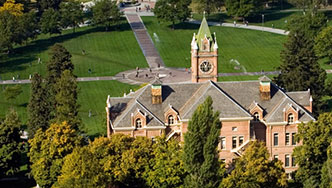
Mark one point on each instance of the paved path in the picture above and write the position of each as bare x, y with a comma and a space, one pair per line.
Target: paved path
243, 26
167, 75
144, 40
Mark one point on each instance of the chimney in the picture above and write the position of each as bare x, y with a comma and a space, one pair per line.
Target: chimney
156, 91
265, 88
108, 114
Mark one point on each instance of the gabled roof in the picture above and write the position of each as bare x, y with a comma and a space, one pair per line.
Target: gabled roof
232, 99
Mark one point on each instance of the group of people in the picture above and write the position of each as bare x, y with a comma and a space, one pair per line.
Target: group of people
147, 8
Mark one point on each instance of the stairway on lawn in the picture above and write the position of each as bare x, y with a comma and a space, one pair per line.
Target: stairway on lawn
144, 40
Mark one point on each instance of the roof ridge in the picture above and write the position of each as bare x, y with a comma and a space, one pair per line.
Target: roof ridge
230, 98
139, 103
197, 100
299, 106
193, 95
132, 103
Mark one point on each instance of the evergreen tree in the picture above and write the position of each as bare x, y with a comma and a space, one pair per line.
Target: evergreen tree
200, 147
299, 68
10, 144
48, 150
255, 169
323, 44
66, 100
60, 61
38, 108
172, 10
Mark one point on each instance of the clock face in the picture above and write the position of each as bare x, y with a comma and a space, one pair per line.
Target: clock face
205, 66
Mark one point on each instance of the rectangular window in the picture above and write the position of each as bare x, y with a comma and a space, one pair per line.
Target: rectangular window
293, 161
275, 157
234, 128
293, 139
286, 160
241, 140
222, 143
287, 139
233, 142
275, 139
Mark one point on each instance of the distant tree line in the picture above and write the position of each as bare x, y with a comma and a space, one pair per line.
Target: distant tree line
22, 20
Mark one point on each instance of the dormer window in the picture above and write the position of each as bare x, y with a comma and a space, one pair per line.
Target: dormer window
256, 116
290, 118
170, 120
138, 123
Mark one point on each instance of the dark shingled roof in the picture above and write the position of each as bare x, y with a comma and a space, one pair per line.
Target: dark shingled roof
231, 99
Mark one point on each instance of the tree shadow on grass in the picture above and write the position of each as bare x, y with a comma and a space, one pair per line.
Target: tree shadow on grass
24, 54
270, 17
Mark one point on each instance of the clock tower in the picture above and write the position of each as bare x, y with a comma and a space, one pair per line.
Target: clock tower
204, 55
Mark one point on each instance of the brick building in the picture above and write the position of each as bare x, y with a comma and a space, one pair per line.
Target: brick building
249, 110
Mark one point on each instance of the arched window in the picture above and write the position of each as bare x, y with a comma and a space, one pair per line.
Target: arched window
256, 116
138, 123
290, 118
170, 120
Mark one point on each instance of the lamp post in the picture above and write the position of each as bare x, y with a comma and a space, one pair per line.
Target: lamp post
262, 21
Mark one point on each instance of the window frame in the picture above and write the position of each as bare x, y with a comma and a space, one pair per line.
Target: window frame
223, 146
138, 123
275, 139
287, 139
287, 160
290, 118
169, 120
234, 138
256, 116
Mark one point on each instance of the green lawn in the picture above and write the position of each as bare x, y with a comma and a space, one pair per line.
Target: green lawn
241, 78
272, 18
92, 96
254, 50
107, 53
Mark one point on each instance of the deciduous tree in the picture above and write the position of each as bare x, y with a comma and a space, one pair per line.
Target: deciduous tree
200, 147
10, 144
47, 152
106, 12
167, 169
326, 173
208, 6
243, 8
312, 154
172, 10
255, 169
50, 22
71, 14
12, 92
323, 44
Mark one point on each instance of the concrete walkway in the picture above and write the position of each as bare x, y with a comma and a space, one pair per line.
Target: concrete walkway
144, 40
243, 26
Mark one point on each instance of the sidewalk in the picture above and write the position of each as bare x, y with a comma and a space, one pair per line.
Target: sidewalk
242, 26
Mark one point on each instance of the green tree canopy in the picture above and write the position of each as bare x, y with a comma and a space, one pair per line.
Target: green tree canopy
200, 154
66, 100
71, 14
208, 6
10, 144
106, 12
38, 108
255, 169
312, 154
59, 62
47, 4
118, 161
48, 149
172, 10
50, 22
326, 173
300, 70
323, 44
167, 168
243, 8
12, 92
